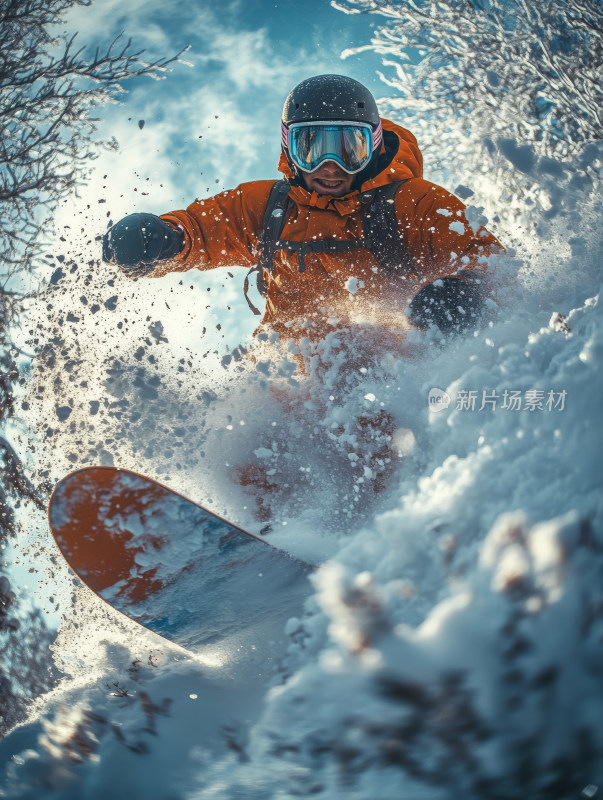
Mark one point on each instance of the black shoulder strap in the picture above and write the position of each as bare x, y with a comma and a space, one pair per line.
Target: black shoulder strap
381, 229
274, 221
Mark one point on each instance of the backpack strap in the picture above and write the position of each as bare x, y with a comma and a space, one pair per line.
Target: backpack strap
381, 230
275, 213
318, 246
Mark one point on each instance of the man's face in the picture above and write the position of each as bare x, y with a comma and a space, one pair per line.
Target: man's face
329, 179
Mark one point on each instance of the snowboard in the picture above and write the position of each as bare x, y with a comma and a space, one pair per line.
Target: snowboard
179, 570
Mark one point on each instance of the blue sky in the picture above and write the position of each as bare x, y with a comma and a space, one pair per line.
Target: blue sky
246, 56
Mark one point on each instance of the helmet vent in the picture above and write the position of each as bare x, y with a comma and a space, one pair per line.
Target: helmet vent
360, 105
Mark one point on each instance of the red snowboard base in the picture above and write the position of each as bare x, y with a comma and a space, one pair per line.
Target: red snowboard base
176, 568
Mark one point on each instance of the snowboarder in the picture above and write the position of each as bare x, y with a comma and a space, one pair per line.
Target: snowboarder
352, 240
353, 232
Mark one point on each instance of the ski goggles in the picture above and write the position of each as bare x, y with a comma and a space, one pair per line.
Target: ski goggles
350, 144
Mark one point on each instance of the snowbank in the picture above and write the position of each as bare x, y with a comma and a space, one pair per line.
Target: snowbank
453, 644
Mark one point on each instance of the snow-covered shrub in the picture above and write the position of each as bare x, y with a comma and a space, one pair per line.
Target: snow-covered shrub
466, 76
496, 694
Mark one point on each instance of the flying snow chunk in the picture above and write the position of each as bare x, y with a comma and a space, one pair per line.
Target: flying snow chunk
404, 440
353, 284
370, 397
464, 192
475, 218
522, 157
263, 452
62, 412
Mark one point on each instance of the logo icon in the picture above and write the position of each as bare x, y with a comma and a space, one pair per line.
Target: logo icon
438, 400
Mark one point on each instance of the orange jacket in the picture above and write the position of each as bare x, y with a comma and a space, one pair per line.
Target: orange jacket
224, 230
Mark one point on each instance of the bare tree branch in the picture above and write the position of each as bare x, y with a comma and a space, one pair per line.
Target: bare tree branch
46, 127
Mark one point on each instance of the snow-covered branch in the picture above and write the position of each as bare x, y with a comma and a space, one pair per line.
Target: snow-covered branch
467, 72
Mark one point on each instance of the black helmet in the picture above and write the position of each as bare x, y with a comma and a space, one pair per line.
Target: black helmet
330, 97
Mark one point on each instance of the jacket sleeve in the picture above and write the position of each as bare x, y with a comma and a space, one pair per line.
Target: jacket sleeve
220, 231
451, 256
438, 233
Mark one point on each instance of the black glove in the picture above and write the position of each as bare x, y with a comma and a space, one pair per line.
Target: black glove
137, 241
450, 303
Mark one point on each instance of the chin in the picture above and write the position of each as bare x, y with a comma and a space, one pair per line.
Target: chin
335, 191
332, 192
314, 184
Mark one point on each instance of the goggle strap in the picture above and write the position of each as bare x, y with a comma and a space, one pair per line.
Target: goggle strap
377, 137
